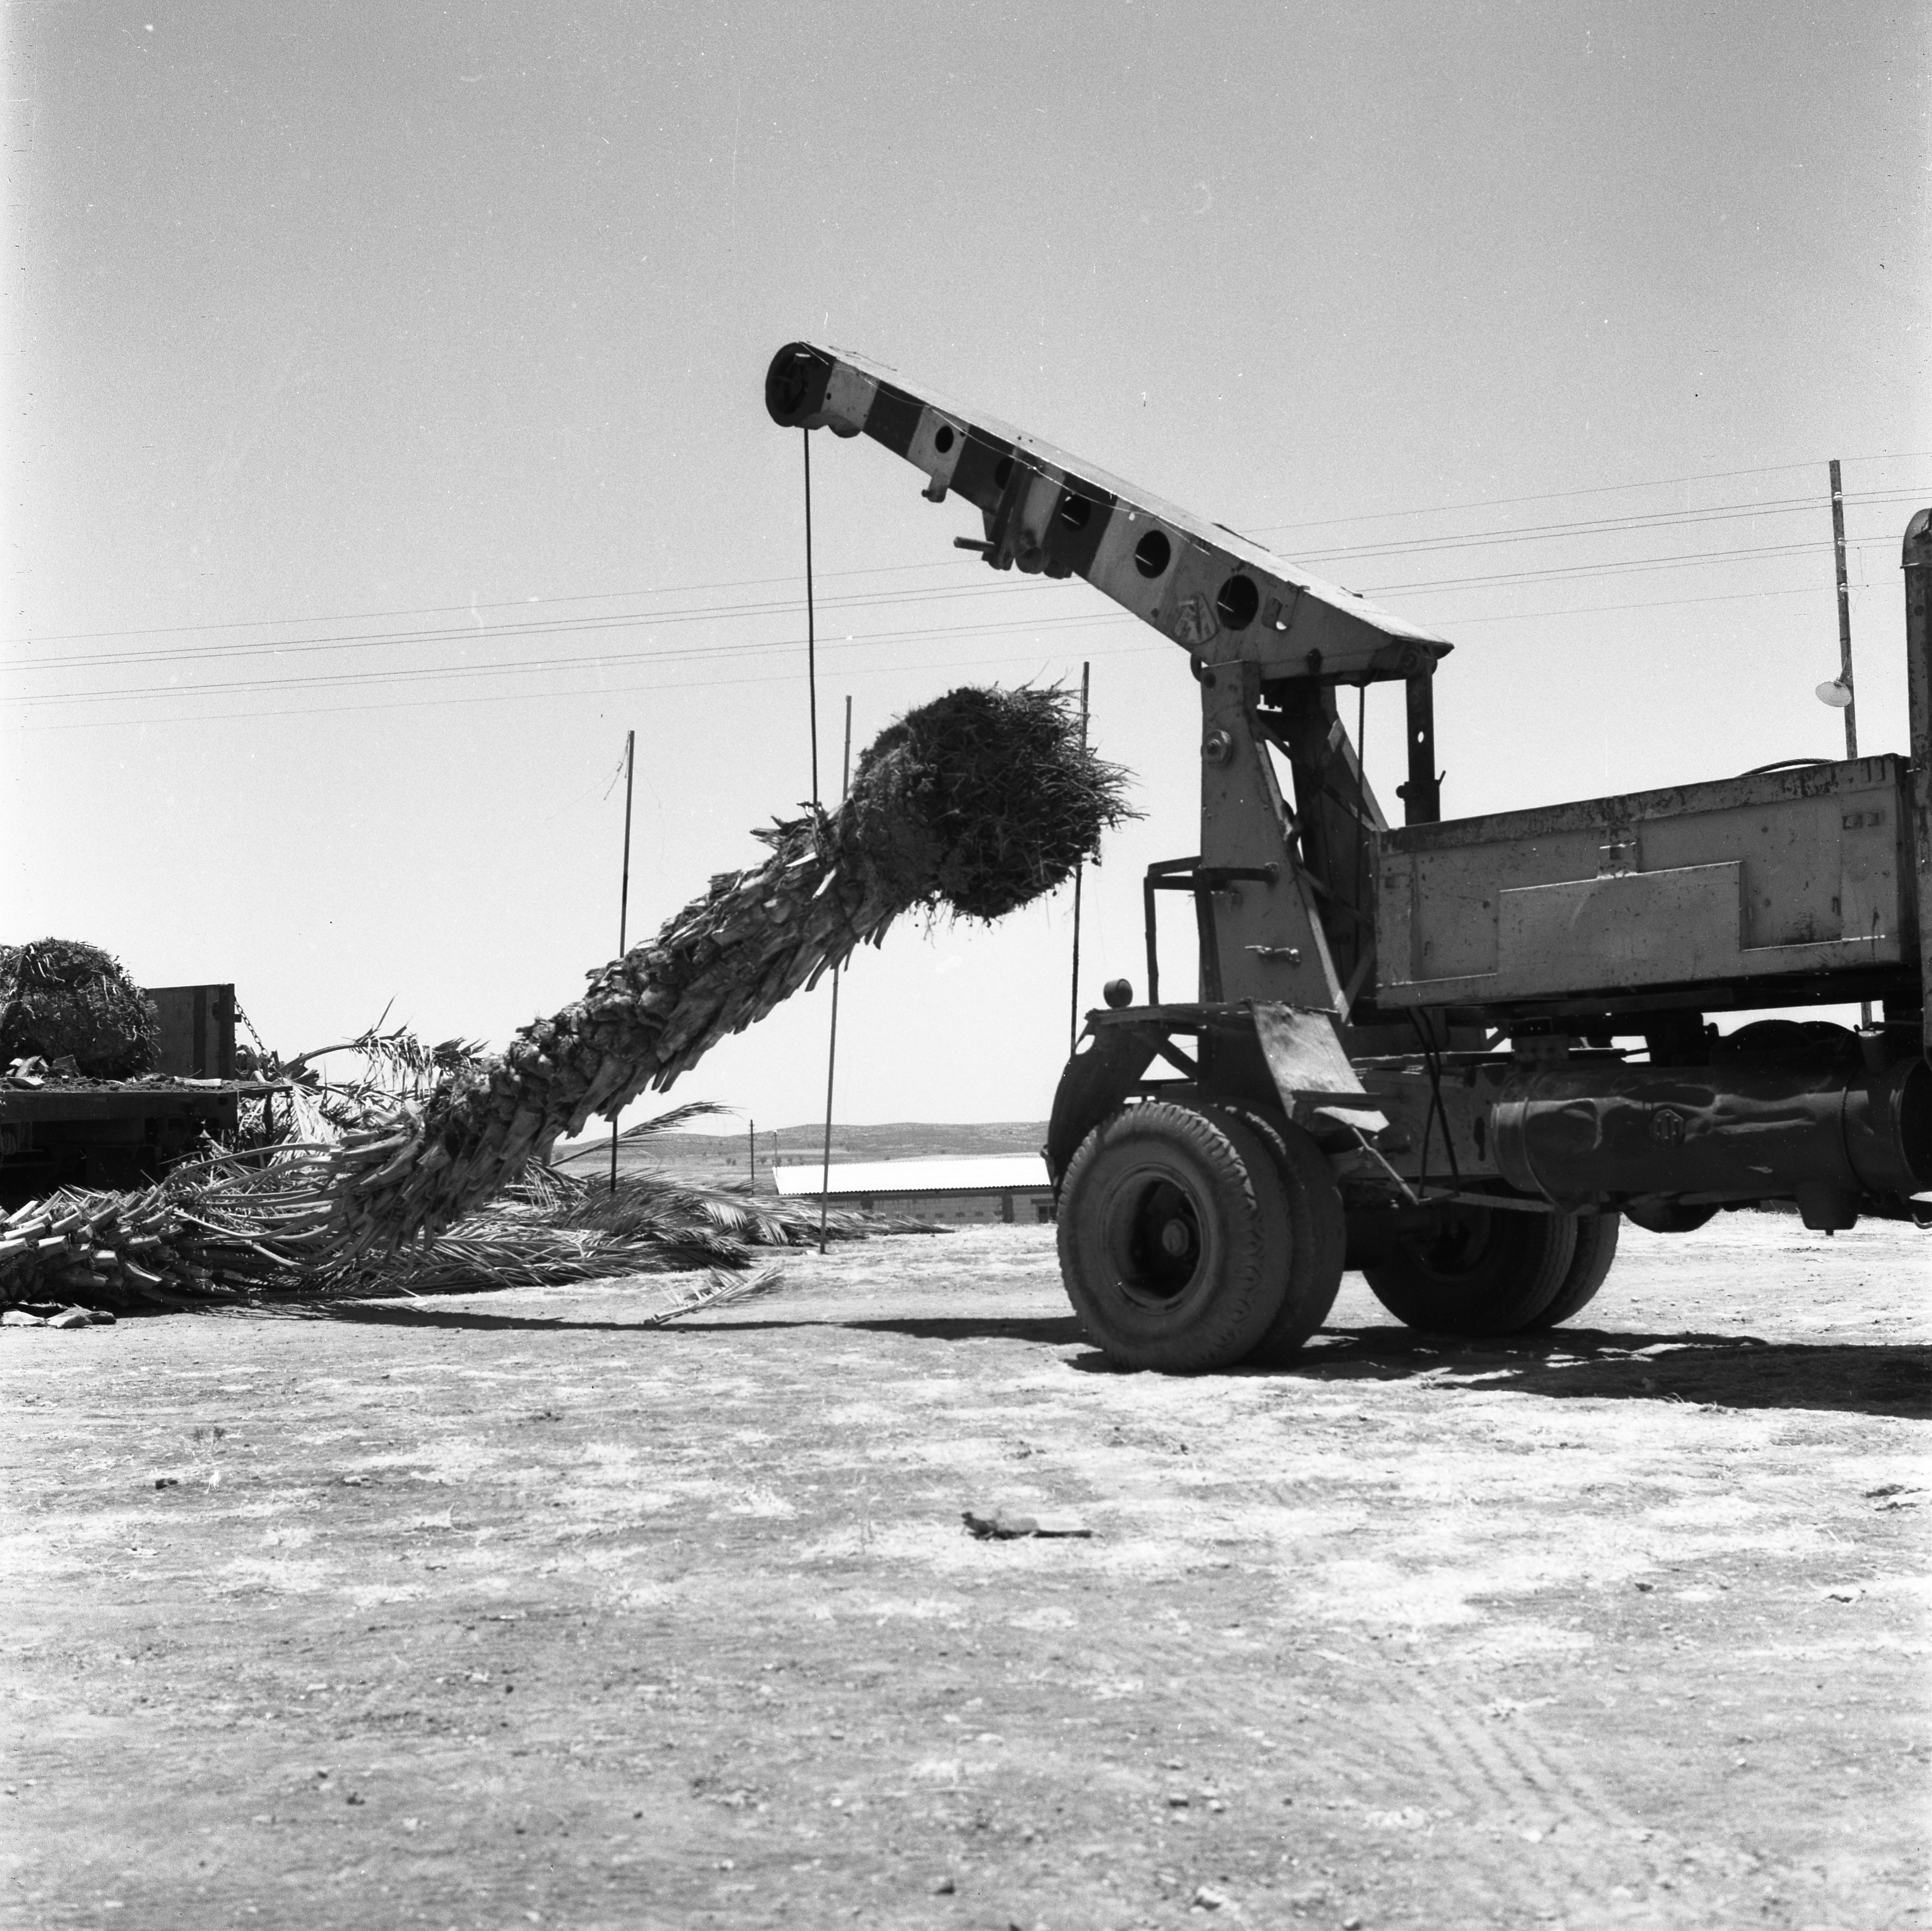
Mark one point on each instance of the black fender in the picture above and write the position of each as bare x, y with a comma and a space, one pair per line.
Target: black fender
1105, 1068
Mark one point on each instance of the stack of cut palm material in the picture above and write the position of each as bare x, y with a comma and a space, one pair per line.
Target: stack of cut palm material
62, 1001
228, 1229
980, 802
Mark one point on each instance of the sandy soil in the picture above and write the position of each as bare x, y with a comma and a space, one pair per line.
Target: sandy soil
501, 1612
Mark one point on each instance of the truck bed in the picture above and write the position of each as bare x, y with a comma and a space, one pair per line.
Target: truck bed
110, 1133
1776, 886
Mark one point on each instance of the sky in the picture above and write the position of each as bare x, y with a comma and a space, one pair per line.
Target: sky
386, 439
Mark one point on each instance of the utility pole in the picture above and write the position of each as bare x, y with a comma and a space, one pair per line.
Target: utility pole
1073, 1016
1845, 646
624, 904
832, 1049
1851, 706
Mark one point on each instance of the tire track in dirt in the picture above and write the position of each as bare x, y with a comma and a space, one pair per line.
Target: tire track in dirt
1385, 1748
1512, 1754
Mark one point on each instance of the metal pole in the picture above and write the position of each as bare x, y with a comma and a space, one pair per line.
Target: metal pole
1917, 559
810, 624
1363, 837
1073, 1016
1845, 646
1422, 796
624, 904
1844, 614
832, 1047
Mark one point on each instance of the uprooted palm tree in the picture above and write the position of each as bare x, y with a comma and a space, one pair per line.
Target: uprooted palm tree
980, 802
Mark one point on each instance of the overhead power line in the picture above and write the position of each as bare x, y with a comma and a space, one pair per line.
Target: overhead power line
524, 666
1714, 513
1689, 559
1651, 603
555, 627
1547, 533
1151, 646
1594, 489
442, 701
632, 620
442, 609
500, 667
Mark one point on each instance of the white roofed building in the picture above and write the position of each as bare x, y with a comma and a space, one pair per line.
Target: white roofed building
1007, 1187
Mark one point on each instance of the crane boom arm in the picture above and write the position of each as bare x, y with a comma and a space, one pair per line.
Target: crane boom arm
1222, 597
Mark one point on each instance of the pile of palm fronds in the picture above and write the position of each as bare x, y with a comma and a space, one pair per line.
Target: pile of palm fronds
62, 999
231, 1228
980, 801
549, 1228
388, 1066
385, 1072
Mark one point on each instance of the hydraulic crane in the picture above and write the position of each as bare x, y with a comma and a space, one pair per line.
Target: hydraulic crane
1453, 1054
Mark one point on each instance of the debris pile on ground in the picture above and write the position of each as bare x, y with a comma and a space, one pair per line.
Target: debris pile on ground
1008, 1525
979, 802
72, 1005
232, 1230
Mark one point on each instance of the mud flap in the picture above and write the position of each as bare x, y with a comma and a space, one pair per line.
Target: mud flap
1311, 1073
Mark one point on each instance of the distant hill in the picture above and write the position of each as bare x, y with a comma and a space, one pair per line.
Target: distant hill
723, 1155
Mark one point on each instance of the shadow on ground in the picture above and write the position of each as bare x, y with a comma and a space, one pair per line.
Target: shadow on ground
1729, 1370
1052, 1331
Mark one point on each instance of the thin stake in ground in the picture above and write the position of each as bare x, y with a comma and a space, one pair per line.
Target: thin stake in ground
1079, 872
624, 905
831, 1046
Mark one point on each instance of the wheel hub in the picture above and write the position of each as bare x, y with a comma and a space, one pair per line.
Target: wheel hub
1157, 1239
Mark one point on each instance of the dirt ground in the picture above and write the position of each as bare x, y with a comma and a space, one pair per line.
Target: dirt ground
501, 1612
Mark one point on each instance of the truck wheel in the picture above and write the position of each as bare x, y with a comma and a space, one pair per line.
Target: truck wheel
1596, 1248
1174, 1238
1479, 1270
1317, 1236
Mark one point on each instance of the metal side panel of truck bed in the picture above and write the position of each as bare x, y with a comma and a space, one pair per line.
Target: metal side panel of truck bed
1745, 882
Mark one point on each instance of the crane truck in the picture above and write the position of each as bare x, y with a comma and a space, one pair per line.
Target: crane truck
1454, 1055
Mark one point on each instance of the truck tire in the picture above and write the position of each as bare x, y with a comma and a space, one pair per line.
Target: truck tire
1174, 1238
1596, 1249
1318, 1235
1483, 1271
